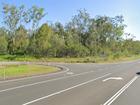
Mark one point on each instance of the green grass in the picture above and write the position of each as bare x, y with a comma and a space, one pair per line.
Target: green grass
17, 58
12, 71
91, 59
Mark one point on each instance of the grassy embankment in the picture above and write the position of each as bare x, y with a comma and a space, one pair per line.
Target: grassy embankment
14, 71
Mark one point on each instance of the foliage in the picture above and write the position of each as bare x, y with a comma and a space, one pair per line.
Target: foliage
43, 39
21, 40
82, 36
3, 41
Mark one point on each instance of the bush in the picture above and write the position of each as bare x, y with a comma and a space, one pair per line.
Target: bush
75, 51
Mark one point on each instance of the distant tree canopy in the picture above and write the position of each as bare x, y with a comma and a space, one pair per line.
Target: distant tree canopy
82, 36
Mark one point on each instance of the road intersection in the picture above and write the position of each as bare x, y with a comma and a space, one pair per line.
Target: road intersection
77, 84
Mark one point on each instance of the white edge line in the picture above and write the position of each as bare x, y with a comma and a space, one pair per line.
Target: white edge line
33, 101
114, 97
24, 78
27, 85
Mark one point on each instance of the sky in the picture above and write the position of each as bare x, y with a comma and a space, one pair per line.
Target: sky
63, 10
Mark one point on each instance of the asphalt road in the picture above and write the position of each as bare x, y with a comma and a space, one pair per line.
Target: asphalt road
77, 84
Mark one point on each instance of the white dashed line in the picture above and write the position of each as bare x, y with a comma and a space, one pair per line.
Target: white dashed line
84, 83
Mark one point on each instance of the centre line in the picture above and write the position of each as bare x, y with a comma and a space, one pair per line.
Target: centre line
114, 97
84, 83
41, 82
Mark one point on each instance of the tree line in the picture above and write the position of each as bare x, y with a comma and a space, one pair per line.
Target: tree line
22, 34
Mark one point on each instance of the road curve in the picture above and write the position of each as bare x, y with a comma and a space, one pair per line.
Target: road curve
80, 84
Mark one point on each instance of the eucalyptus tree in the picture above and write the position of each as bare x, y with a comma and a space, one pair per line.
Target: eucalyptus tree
22, 40
12, 20
104, 33
81, 23
42, 37
3, 41
33, 16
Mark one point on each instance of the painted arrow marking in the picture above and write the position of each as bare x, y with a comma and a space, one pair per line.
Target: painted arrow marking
113, 78
70, 73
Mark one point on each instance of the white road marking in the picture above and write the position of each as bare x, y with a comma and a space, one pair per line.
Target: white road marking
27, 85
114, 97
70, 73
66, 70
84, 83
113, 78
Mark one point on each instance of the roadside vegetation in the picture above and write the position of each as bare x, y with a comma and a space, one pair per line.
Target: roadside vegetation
82, 39
15, 71
91, 59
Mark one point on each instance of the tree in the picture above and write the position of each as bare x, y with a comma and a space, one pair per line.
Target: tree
12, 19
34, 15
104, 34
43, 39
80, 23
81, 36
57, 46
71, 35
22, 40
135, 47
3, 41
58, 29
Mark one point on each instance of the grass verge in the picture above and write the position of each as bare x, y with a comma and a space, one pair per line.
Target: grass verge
15, 71
92, 59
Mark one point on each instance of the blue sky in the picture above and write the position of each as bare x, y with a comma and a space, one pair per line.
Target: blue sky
63, 10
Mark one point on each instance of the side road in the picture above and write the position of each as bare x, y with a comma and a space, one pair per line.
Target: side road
77, 84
